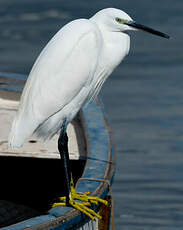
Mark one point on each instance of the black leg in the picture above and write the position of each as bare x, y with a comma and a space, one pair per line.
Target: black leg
82, 204
63, 150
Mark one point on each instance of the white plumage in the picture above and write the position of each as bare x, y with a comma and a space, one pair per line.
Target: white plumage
70, 72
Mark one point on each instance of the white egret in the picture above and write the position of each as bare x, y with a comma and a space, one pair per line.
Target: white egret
69, 73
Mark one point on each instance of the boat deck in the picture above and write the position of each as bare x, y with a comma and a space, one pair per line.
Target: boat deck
35, 174
33, 147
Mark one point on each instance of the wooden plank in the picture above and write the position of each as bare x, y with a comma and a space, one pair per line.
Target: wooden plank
100, 165
34, 147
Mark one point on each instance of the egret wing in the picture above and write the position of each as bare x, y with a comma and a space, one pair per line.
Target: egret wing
65, 67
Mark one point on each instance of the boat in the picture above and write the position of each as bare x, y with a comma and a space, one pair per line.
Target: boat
32, 176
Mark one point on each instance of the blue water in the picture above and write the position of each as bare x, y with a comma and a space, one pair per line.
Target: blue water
143, 99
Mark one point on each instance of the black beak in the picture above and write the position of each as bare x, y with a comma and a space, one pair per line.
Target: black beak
146, 29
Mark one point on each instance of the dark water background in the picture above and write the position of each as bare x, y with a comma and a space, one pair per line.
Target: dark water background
143, 99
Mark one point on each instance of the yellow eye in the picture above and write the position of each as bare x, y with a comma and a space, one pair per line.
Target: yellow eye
121, 21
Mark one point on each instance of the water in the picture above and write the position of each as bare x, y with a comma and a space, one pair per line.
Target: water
145, 94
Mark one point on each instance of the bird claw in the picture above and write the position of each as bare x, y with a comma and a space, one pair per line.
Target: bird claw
84, 200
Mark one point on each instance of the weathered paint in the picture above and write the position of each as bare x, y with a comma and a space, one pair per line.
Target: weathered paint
99, 166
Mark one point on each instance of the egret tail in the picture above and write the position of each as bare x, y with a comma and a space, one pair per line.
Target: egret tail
17, 135
24, 126
21, 130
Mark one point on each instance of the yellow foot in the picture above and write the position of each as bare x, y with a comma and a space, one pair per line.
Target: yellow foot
84, 200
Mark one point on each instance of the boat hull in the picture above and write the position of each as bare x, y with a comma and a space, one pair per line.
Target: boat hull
97, 176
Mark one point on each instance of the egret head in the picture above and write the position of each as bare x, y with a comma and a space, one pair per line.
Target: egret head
118, 21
